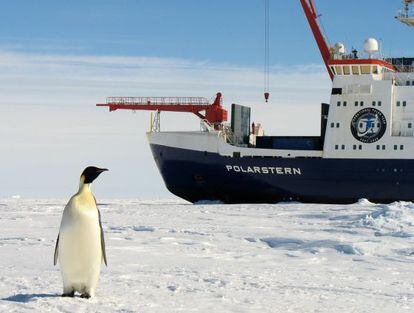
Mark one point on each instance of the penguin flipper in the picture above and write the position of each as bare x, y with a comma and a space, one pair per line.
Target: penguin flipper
55, 256
102, 239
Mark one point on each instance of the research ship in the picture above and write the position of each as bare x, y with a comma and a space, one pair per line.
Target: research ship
365, 148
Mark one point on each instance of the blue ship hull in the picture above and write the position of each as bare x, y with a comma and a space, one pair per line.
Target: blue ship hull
195, 176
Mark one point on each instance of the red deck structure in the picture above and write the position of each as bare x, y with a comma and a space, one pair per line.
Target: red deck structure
214, 112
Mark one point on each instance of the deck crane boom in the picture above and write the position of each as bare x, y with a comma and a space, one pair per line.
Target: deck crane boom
214, 112
312, 17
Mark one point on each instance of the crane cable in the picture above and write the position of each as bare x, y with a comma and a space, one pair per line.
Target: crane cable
266, 52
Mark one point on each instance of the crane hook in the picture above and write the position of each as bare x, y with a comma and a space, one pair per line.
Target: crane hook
266, 51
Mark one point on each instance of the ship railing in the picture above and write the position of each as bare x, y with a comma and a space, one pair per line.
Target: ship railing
400, 66
391, 76
397, 81
405, 68
158, 100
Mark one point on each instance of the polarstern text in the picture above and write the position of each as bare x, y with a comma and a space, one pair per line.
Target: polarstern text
264, 170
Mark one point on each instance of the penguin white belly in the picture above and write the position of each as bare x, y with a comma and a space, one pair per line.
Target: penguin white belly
80, 253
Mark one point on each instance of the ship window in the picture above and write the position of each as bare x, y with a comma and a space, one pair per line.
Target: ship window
360, 147
336, 147
355, 70
338, 70
336, 91
338, 103
337, 125
398, 103
410, 125
378, 147
379, 103
332, 125
343, 147
404, 103
407, 83
401, 147
383, 147
395, 147
375, 69
356, 103
361, 103
345, 103
412, 83
355, 147
365, 69
374, 103
347, 70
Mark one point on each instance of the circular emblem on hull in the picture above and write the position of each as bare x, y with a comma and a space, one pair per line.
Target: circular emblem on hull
368, 125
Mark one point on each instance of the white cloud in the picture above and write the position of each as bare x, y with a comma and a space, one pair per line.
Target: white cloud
50, 127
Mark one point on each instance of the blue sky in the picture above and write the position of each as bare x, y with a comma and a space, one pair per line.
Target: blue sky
222, 31
59, 58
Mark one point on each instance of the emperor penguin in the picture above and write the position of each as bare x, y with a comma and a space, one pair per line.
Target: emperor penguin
80, 245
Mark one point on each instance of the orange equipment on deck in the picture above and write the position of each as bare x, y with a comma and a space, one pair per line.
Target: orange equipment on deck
214, 113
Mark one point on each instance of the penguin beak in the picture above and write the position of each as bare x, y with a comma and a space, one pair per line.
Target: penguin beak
100, 171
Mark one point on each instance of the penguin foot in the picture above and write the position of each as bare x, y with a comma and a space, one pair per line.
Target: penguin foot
85, 295
69, 294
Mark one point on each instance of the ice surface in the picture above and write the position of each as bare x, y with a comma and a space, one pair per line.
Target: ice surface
169, 256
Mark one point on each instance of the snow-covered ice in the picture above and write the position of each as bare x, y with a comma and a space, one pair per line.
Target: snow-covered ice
170, 256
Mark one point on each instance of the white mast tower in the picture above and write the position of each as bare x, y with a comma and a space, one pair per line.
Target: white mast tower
405, 15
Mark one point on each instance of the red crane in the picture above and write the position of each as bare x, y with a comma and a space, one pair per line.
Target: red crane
310, 12
214, 112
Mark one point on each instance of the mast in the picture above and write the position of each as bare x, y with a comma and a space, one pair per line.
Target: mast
310, 12
404, 15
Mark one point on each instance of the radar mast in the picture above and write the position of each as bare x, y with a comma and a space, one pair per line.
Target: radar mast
405, 15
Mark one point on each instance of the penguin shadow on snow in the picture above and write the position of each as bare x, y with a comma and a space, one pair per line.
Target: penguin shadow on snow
27, 297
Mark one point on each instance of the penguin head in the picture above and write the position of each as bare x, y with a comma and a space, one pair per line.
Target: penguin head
90, 173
